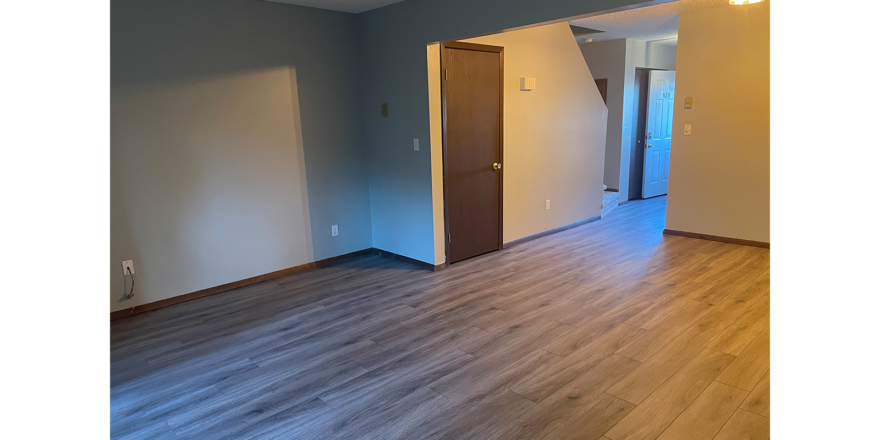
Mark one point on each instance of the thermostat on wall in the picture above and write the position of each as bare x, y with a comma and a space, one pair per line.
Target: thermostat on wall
527, 83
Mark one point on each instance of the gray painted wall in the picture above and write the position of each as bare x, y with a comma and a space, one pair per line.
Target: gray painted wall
236, 141
391, 45
240, 130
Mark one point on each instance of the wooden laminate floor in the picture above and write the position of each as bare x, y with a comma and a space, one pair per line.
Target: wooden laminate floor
606, 331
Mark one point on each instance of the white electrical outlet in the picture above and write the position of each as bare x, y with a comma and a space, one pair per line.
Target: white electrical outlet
547, 204
334, 230
416, 144
128, 267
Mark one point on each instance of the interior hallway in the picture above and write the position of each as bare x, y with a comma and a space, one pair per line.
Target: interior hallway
609, 329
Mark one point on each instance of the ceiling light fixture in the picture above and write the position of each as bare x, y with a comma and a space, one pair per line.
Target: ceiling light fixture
744, 2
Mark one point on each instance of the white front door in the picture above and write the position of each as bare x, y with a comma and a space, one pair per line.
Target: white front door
658, 133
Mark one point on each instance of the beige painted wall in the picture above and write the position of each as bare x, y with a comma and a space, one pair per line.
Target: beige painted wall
436, 113
607, 59
554, 136
719, 180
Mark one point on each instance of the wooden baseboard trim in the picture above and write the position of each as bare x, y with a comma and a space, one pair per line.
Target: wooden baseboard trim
513, 243
392, 255
234, 285
739, 241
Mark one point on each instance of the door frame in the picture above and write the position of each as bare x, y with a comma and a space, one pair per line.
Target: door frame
479, 48
647, 115
635, 148
639, 104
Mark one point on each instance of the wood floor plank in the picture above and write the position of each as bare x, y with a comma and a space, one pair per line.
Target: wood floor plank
411, 416
544, 417
751, 365
741, 332
544, 339
665, 306
706, 415
544, 383
648, 420
472, 338
412, 371
179, 381
758, 400
298, 421
728, 310
371, 420
145, 431
744, 425
154, 417
589, 424
648, 376
523, 337
251, 404
592, 329
489, 373
467, 418
665, 332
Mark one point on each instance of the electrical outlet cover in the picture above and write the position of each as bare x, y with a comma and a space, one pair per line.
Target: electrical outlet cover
128, 267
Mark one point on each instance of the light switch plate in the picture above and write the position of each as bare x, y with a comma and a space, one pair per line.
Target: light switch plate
547, 204
128, 267
687, 129
416, 144
689, 102
334, 230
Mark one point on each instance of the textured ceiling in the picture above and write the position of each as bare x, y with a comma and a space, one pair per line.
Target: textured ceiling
353, 6
649, 23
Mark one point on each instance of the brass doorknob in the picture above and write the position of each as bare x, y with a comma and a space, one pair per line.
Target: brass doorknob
496, 166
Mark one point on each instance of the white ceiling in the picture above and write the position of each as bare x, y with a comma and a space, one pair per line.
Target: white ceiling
353, 6
649, 23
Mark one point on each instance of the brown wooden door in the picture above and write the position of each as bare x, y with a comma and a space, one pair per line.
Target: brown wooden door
473, 91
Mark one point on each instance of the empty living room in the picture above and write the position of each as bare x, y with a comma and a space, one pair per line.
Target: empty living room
437, 219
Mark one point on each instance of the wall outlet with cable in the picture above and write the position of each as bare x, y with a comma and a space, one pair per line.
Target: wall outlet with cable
127, 267
127, 271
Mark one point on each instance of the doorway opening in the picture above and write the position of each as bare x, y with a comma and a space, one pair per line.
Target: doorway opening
632, 54
572, 152
650, 145
524, 157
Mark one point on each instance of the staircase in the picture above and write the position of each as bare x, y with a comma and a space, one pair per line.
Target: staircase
610, 200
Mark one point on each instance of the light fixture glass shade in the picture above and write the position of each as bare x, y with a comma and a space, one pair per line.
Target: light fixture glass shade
744, 2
